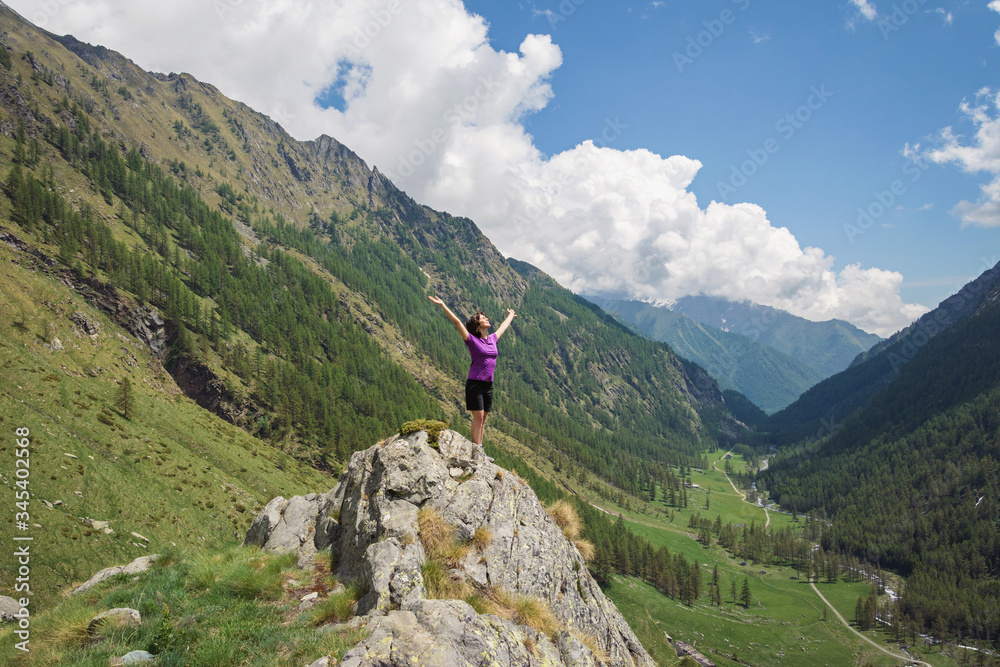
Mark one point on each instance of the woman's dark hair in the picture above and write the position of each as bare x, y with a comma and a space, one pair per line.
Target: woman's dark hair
472, 324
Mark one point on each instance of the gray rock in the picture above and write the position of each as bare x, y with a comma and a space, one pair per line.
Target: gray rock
8, 607
449, 633
90, 327
370, 520
137, 566
322, 662
135, 657
119, 617
140, 564
287, 526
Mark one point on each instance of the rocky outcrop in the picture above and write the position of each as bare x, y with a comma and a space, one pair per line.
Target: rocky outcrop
449, 633
201, 384
370, 523
142, 321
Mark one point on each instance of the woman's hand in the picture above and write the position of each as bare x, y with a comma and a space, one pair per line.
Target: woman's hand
506, 323
451, 316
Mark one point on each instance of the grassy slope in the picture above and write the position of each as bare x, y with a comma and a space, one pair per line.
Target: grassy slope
785, 618
172, 473
218, 608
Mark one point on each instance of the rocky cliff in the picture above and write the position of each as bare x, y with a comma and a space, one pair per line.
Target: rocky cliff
381, 524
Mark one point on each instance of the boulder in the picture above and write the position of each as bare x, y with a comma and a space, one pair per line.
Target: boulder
133, 658
370, 522
140, 564
120, 617
8, 608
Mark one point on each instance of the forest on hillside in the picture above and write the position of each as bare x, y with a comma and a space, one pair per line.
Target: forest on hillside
910, 482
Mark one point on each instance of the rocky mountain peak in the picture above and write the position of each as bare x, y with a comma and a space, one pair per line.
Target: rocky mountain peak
383, 524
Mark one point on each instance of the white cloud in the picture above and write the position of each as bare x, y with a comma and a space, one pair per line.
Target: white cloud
981, 154
866, 9
430, 102
947, 17
995, 6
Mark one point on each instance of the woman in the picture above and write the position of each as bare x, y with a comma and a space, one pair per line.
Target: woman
483, 348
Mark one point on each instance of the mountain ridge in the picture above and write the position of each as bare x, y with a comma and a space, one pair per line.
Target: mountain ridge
832, 400
769, 378
787, 333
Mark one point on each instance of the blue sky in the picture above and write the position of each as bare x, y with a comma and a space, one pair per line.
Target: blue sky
653, 149
892, 83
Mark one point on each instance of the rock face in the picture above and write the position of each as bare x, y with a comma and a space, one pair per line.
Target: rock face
370, 522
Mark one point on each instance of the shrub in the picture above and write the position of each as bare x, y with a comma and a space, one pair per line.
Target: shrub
432, 426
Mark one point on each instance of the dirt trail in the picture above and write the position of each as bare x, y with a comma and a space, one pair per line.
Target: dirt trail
742, 495
908, 659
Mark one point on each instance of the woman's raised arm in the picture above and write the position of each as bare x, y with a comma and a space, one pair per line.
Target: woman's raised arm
451, 316
506, 323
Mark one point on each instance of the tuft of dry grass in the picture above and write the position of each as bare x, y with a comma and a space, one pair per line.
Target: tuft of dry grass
565, 516
75, 632
521, 609
590, 641
438, 538
482, 538
586, 549
535, 613
436, 534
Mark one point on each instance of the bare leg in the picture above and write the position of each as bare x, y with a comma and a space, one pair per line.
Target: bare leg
478, 426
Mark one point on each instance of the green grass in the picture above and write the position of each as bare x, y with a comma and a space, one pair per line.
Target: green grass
172, 473
246, 617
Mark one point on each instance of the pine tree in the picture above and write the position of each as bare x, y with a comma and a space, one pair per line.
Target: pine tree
745, 596
125, 399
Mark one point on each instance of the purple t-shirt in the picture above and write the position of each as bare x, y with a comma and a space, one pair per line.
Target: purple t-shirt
484, 357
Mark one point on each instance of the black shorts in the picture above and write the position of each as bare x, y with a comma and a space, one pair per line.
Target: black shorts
478, 395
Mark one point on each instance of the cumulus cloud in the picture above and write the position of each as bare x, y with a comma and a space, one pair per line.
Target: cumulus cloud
418, 91
981, 154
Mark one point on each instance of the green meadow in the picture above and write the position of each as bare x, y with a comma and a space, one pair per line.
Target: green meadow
785, 623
